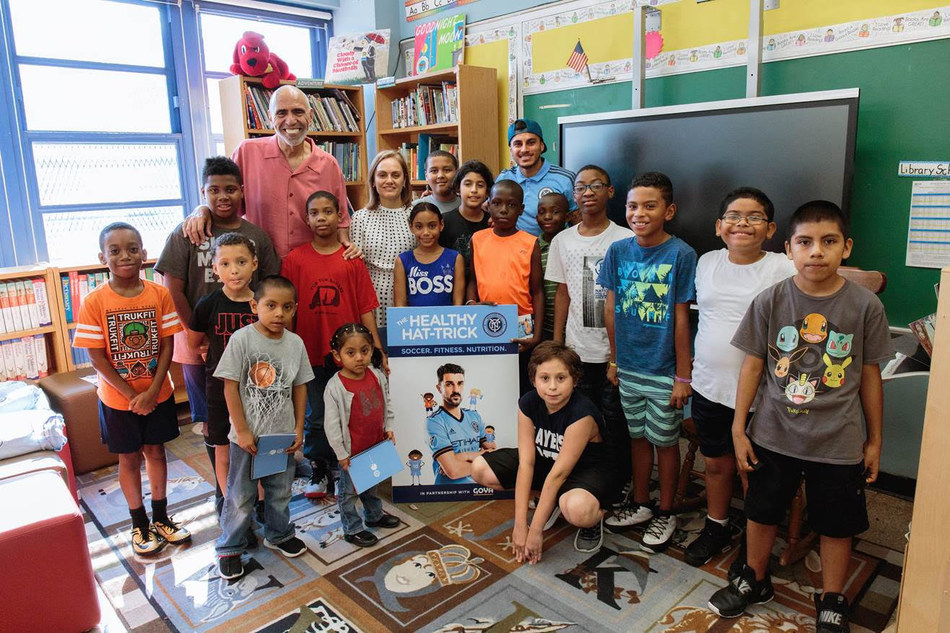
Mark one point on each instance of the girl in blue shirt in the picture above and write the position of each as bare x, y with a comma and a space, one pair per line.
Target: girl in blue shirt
429, 274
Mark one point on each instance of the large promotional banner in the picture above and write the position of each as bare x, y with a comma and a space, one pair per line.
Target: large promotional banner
454, 388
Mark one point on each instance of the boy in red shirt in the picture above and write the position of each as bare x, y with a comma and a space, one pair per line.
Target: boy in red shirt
332, 291
128, 325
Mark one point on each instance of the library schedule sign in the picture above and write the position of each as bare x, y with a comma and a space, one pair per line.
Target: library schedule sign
437, 422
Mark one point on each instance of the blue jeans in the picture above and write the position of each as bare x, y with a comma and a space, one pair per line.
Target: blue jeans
195, 386
346, 500
240, 499
316, 447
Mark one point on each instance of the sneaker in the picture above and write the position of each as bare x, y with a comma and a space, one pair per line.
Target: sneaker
733, 599
659, 533
833, 611
590, 539
555, 515
230, 567
385, 521
318, 486
291, 548
624, 494
172, 532
714, 539
630, 513
146, 542
533, 503
363, 538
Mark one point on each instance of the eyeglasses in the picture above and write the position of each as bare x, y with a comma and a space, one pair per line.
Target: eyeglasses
596, 187
511, 205
735, 218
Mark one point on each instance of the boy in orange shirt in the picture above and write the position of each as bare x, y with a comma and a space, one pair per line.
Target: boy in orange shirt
128, 325
506, 267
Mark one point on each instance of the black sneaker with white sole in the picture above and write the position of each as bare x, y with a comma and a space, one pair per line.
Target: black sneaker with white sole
290, 548
715, 539
230, 566
591, 538
732, 600
832, 613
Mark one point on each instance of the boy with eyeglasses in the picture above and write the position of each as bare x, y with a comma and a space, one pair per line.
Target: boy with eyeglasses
506, 267
575, 257
726, 282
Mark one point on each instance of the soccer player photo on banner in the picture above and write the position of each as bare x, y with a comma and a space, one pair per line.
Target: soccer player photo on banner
454, 389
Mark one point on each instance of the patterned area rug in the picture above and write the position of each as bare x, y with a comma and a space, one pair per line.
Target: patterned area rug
448, 567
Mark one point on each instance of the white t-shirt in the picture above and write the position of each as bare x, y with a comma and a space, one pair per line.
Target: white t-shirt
724, 291
575, 260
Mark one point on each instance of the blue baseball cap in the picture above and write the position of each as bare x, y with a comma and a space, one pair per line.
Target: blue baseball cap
525, 126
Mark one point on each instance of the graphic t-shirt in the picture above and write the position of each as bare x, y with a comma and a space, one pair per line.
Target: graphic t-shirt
218, 317
192, 264
267, 370
457, 234
576, 260
815, 349
130, 330
549, 428
444, 207
647, 283
331, 291
430, 284
459, 435
366, 412
724, 292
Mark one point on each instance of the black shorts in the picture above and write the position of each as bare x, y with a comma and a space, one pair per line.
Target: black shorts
713, 426
219, 422
127, 432
600, 482
835, 493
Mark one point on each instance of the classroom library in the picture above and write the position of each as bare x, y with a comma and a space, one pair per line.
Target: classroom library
474, 316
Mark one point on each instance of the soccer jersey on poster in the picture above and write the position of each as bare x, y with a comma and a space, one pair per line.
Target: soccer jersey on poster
446, 433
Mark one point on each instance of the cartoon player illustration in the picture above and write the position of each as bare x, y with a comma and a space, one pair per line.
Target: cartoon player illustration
428, 401
456, 435
415, 465
771, 44
134, 335
490, 438
474, 395
834, 374
936, 19
718, 52
865, 31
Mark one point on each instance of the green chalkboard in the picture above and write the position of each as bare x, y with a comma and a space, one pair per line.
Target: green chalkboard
904, 114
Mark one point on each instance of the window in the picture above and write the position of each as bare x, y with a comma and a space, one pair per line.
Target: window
292, 42
100, 138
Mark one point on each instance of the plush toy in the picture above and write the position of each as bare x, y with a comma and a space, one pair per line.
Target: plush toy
253, 59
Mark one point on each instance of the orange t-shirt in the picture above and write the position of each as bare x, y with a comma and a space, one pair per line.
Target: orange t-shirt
130, 329
503, 268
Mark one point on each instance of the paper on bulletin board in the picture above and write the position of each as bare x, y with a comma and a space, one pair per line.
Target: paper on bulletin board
928, 233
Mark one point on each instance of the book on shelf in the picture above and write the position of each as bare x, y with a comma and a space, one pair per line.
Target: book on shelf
24, 359
9, 361
333, 110
80, 355
347, 154
427, 104
409, 153
428, 143
42, 302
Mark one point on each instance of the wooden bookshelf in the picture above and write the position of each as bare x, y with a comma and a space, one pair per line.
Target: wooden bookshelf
476, 127
55, 355
234, 115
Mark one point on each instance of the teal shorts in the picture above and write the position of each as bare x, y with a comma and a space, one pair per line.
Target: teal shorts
645, 399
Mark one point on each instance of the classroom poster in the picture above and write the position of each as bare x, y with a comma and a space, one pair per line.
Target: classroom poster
439, 45
474, 405
357, 58
928, 232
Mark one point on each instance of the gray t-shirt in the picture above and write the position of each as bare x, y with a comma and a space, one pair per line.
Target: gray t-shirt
267, 370
444, 207
183, 260
808, 405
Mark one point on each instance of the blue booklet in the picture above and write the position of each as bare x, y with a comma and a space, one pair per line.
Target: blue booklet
272, 456
377, 463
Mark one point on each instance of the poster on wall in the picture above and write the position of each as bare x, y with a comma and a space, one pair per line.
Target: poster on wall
357, 58
417, 9
454, 389
439, 45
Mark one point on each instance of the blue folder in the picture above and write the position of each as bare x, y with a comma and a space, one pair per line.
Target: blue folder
272, 456
377, 463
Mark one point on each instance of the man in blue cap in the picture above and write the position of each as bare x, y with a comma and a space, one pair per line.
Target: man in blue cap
535, 175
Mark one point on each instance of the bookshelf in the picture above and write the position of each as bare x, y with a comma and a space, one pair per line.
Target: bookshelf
244, 115
31, 346
457, 105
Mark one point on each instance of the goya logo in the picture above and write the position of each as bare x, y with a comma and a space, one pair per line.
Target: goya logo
494, 324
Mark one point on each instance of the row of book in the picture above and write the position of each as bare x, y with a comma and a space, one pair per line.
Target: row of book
348, 155
416, 154
333, 111
76, 286
24, 305
24, 358
427, 105
80, 355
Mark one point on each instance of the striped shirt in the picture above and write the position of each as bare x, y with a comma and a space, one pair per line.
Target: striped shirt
130, 330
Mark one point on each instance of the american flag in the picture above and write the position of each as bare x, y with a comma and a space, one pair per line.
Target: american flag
578, 58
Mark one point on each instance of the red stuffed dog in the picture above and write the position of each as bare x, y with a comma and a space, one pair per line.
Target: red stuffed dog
253, 59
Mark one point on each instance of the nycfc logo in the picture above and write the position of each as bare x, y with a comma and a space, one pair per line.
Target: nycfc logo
494, 324
545, 191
